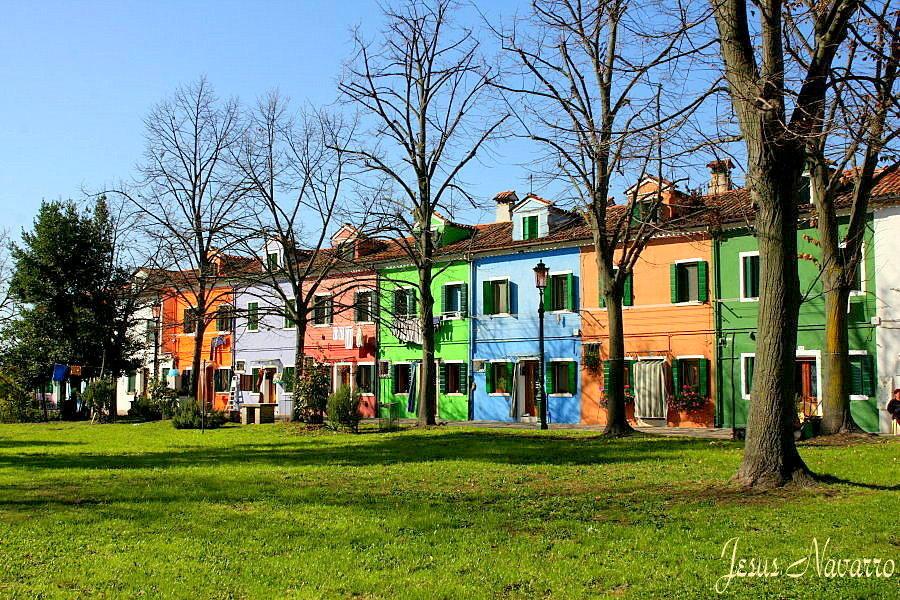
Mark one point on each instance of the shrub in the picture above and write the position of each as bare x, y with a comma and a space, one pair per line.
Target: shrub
160, 402
189, 416
16, 404
343, 409
311, 393
99, 396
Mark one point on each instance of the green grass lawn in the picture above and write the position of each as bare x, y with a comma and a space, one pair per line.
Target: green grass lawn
272, 511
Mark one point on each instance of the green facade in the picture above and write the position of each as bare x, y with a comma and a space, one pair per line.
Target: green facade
451, 340
736, 323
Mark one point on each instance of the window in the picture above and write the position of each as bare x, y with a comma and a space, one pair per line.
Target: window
290, 308
365, 307
529, 227
132, 382
560, 292
322, 310
748, 363
272, 261
628, 371
287, 379
402, 375
253, 316
246, 382
562, 377
405, 302
496, 297
186, 381
454, 298
499, 378
691, 373
749, 275
150, 332
365, 379
627, 290
689, 281
224, 318
222, 380
190, 320
862, 380
453, 378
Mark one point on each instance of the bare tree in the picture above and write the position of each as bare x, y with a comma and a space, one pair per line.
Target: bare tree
296, 169
190, 202
592, 76
765, 85
7, 305
423, 89
854, 129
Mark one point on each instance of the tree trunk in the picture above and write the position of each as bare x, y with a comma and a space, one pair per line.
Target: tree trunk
835, 395
196, 361
616, 422
428, 384
299, 356
770, 454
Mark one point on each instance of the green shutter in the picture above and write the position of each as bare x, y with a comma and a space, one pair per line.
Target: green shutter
287, 379
489, 378
463, 378
630, 365
676, 377
704, 377
673, 282
606, 376
550, 377
253, 316
627, 292
573, 377
703, 281
412, 304
442, 378
510, 368
444, 303
548, 295
487, 298
570, 292
464, 300
506, 289
868, 375
748, 372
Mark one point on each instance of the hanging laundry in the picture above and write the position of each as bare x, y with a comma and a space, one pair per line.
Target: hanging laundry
337, 334
75, 370
59, 372
360, 339
348, 338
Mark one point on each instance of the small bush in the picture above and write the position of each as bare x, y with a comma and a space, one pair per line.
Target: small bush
189, 416
16, 404
311, 393
100, 396
343, 409
160, 402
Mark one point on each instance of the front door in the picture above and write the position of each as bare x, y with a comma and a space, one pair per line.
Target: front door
343, 378
530, 375
806, 381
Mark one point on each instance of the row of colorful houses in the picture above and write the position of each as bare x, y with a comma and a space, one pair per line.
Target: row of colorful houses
690, 319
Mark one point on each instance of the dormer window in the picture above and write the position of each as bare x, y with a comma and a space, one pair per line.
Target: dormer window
272, 260
530, 227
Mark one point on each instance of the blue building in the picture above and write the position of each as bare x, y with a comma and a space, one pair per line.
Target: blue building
504, 341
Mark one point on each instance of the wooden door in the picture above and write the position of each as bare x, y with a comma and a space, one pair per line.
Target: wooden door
806, 378
530, 373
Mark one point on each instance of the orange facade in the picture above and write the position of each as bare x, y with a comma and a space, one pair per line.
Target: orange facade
655, 326
177, 345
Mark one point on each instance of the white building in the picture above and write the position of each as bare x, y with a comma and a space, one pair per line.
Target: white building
887, 307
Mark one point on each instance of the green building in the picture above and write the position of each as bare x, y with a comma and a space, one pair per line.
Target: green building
399, 343
737, 290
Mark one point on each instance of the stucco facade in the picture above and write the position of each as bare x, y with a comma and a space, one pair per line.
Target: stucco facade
887, 308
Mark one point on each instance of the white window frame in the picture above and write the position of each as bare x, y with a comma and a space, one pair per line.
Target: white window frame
741, 256
688, 261
455, 314
368, 363
744, 356
316, 297
373, 307
512, 383
454, 362
503, 314
565, 360
391, 368
862, 271
816, 354
334, 373
550, 275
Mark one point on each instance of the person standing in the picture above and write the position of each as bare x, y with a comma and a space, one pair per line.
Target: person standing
893, 409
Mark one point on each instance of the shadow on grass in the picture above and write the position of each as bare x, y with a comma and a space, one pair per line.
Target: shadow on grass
370, 450
35, 443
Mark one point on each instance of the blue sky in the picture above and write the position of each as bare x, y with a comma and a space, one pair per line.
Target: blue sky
78, 77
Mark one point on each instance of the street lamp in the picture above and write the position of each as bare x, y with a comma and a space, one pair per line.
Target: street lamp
540, 282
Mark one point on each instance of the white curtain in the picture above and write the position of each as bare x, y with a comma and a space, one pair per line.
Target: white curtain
649, 389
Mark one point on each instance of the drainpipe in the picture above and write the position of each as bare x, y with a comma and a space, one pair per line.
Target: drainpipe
471, 312
377, 352
717, 327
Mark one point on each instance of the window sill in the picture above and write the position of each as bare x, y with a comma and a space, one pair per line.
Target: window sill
499, 394
689, 303
857, 293
252, 330
506, 314
750, 299
363, 322
858, 397
454, 394
318, 325
558, 395
562, 311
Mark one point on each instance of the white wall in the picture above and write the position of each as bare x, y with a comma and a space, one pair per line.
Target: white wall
123, 398
887, 306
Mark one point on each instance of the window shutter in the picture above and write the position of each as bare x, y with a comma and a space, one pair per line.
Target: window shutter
601, 297
329, 309
856, 375
573, 377
409, 381
487, 298
489, 378
673, 282
703, 281
444, 303
627, 293
868, 375
606, 376
442, 378
506, 288
548, 295
676, 377
412, 305
550, 377
510, 367
630, 365
463, 378
570, 292
704, 377
464, 300
748, 372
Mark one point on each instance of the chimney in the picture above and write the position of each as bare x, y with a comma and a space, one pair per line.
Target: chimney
505, 202
720, 176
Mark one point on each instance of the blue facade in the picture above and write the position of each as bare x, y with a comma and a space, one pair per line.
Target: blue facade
511, 338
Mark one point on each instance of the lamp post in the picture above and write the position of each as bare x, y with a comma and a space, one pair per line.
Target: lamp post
540, 282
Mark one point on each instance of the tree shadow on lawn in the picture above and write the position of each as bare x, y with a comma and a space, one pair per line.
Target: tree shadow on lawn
20, 443
390, 449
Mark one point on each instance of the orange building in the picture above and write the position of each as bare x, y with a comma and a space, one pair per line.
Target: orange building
178, 326
668, 323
